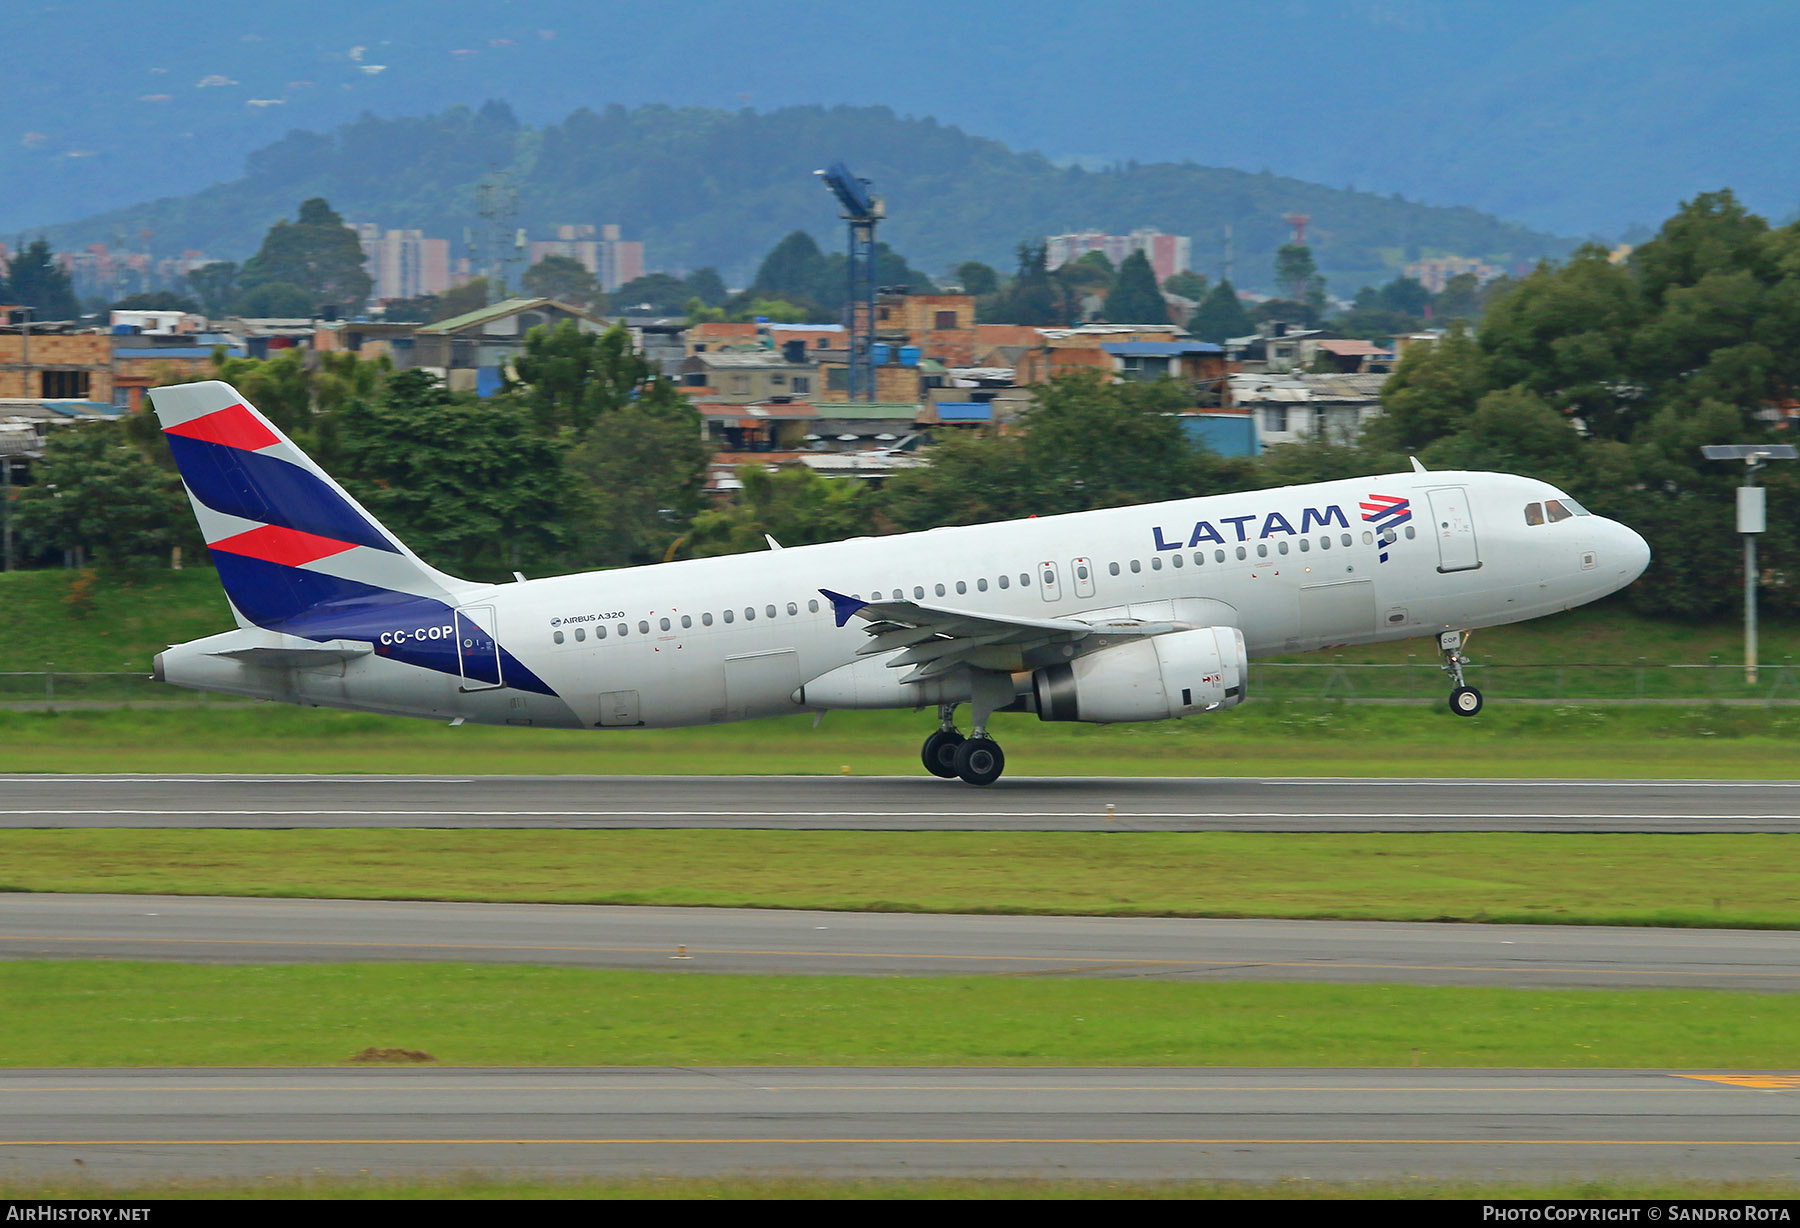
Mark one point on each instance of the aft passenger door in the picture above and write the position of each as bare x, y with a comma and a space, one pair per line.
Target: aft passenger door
477, 651
1454, 527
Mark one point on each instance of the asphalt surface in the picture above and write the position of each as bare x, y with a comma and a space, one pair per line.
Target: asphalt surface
1119, 1123
1339, 1125
235, 930
902, 803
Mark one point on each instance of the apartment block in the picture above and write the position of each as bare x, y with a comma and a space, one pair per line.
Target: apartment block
1168, 254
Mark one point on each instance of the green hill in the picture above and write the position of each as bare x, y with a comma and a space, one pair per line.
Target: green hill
708, 187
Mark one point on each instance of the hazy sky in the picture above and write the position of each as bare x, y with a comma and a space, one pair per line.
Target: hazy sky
1583, 116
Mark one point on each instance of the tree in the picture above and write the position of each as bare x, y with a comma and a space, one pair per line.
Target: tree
281, 387
1187, 283
1134, 298
318, 254
652, 294
1431, 394
158, 300
216, 284
36, 280
98, 496
1033, 298
637, 477
795, 269
473, 486
278, 300
796, 507
460, 300
1294, 270
563, 279
571, 379
707, 286
1220, 316
977, 278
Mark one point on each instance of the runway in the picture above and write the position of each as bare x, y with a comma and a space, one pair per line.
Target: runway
1238, 1124
903, 803
686, 940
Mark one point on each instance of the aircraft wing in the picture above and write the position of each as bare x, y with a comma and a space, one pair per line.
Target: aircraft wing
937, 639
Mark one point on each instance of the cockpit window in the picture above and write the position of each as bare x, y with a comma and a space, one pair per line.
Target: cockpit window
1575, 507
1555, 510
1534, 513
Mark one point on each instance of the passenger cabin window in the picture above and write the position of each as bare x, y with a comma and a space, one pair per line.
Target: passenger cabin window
1025, 579
1112, 569
600, 631
665, 624
1534, 513
1199, 558
939, 590
580, 635
643, 626
729, 616
1262, 550
981, 586
1218, 556
770, 610
557, 636
687, 620
749, 613
1242, 553
1136, 566
1344, 538
624, 629
1005, 580
961, 587
1156, 563
793, 609
813, 605
706, 620
1177, 560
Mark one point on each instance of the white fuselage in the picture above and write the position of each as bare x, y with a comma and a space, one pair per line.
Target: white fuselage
723, 639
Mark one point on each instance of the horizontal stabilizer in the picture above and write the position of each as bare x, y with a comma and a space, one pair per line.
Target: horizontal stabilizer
310, 656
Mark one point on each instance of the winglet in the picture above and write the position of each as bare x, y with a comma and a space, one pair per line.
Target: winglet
843, 607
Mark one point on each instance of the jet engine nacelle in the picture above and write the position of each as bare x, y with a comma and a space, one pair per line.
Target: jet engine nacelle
1152, 679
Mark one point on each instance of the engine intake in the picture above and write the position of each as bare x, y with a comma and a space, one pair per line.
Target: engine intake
1178, 674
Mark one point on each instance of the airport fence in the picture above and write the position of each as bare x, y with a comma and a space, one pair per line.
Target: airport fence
1420, 682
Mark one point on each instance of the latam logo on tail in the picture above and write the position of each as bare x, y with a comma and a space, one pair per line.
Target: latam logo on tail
1386, 513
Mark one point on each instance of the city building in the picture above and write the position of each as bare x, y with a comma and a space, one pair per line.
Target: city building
1168, 254
613, 261
404, 263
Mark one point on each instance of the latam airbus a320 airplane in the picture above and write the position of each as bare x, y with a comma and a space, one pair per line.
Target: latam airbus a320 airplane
1126, 614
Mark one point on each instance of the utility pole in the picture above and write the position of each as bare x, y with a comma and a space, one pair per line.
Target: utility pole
1752, 518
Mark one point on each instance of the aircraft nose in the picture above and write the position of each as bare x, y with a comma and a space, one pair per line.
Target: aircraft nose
1633, 552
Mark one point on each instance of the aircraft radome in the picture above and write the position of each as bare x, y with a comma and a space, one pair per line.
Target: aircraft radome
1126, 614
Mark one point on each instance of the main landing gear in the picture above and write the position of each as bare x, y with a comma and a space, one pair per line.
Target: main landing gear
1465, 700
977, 758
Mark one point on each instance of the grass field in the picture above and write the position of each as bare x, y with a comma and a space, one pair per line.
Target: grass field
91, 1013
1259, 739
1738, 881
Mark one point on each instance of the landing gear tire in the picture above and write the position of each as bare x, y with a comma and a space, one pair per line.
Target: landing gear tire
1465, 701
980, 761
939, 753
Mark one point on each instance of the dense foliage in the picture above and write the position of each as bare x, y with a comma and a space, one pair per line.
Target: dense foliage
704, 187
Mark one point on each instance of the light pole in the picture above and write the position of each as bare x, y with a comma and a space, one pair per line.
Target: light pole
1752, 518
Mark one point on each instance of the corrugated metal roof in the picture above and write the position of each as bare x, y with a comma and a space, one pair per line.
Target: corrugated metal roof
1159, 349
506, 307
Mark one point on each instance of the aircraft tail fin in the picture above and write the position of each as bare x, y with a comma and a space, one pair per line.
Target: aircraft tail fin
287, 540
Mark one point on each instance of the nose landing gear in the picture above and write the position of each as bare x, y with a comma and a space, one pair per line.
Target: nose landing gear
1465, 700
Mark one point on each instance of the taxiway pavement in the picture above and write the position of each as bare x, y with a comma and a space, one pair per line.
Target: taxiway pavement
677, 940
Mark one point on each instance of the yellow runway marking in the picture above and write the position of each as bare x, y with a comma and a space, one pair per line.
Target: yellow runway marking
1763, 1082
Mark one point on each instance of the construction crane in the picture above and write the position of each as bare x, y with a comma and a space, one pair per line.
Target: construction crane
861, 211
